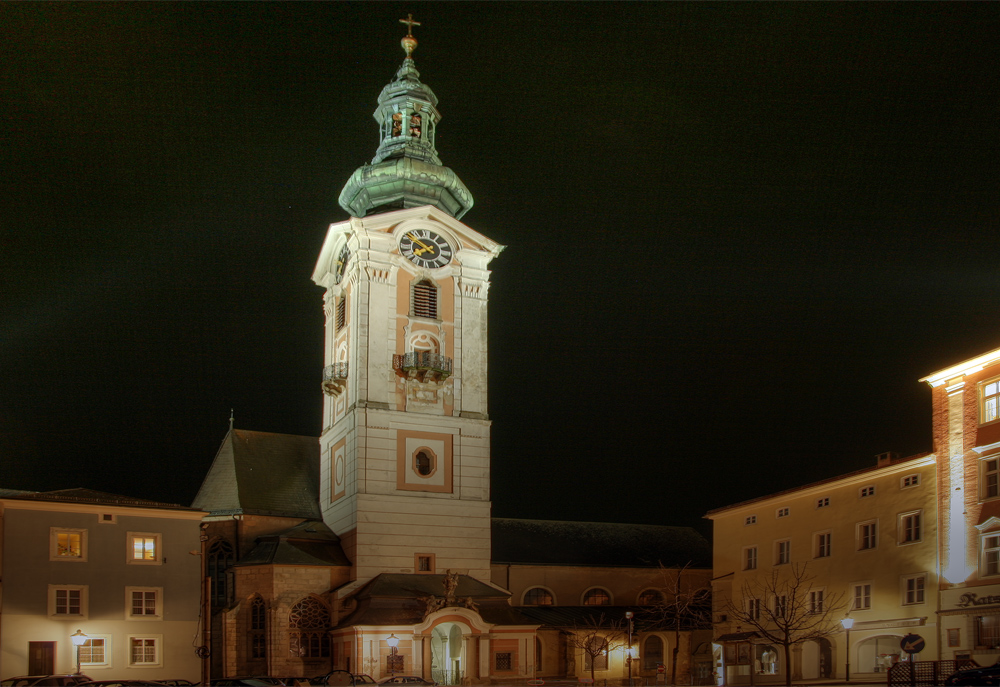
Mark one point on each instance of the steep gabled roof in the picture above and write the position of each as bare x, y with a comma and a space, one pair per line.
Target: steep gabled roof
263, 473
557, 542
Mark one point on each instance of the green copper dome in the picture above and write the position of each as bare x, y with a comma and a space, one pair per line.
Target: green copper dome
406, 171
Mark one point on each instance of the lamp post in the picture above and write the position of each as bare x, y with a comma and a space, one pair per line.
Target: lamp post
78, 639
393, 642
628, 657
848, 623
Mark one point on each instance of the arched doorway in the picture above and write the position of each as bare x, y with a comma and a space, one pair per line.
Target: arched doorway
446, 653
876, 654
817, 659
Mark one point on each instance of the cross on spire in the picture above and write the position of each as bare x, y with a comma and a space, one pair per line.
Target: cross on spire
409, 24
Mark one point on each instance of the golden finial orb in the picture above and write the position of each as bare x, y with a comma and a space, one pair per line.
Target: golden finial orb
409, 43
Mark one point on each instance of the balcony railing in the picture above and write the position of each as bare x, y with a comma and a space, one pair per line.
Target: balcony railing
423, 365
334, 379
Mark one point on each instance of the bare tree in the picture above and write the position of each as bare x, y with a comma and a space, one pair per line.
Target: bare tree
683, 605
596, 636
786, 608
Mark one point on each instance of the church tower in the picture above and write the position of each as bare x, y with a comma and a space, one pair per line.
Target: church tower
405, 446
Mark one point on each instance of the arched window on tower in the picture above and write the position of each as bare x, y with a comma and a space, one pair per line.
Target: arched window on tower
258, 626
397, 125
308, 622
220, 558
415, 121
424, 299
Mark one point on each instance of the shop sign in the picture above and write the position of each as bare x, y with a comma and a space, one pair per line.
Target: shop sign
973, 599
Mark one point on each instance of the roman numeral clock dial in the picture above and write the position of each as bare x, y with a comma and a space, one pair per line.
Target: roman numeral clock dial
425, 248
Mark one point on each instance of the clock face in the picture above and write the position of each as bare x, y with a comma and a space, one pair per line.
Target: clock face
342, 259
425, 248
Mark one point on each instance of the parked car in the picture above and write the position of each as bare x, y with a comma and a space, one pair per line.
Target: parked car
45, 681
363, 679
986, 675
406, 680
342, 678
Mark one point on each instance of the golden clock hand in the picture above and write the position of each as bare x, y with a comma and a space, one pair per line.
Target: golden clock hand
424, 246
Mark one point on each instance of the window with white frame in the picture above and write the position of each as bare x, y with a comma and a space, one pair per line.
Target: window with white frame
991, 555
144, 548
910, 481
750, 520
782, 512
865, 492
96, 651
913, 589
823, 502
867, 534
67, 601
66, 544
823, 542
782, 551
816, 597
144, 603
991, 478
144, 650
780, 605
989, 401
750, 558
862, 597
753, 609
910, 527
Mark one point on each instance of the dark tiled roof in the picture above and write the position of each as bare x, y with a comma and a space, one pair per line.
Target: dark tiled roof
262, 473
308, 543
575, 616
410, 586
80, 495
557, 542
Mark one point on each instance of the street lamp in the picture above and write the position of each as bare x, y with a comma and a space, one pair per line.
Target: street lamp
78, 639
393, 642
628, 657
848, 623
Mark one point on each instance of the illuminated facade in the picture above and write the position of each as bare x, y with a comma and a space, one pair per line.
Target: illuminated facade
868, 540
966, 425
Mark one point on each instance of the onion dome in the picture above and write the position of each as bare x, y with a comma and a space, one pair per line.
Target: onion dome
406, 171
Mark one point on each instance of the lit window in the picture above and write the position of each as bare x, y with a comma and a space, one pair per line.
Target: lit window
862, 597
782, 552
868, 491
750, 558
144, 651
909, 528
867, 535
537, 596
823, 502
816, 601
424, 300
144, 547
750, 520
913, 589
67, 544
67, 600
143, 602
991, 478
94, 651
782, 512
823, 540
990, 400
753, 609
911, 481
597, 597
991, 555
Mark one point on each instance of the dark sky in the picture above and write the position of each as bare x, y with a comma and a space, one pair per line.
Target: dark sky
738, 234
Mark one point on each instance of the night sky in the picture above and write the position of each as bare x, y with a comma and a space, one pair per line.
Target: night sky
737, 234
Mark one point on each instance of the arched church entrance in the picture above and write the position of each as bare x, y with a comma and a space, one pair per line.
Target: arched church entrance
447, 661
817, 659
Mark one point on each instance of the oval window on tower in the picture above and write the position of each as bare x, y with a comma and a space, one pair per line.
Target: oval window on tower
424, 463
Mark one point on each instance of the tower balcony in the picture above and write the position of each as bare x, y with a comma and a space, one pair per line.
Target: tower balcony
334, 379
424, 366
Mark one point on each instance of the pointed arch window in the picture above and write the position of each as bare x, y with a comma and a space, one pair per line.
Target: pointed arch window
220, 559
424, 299
308, 622
258, 625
